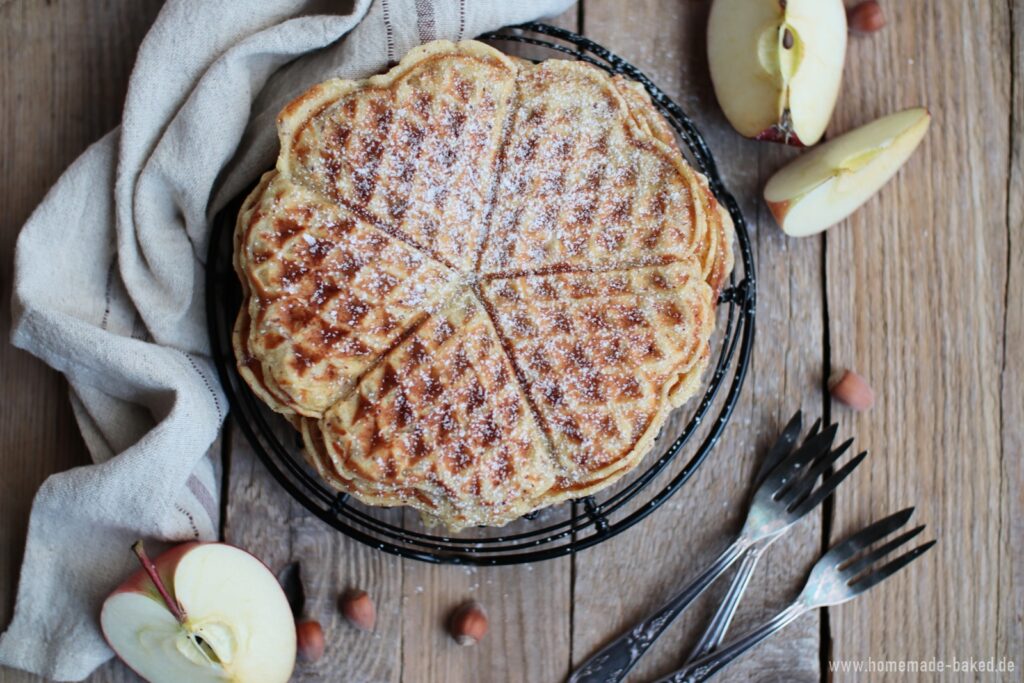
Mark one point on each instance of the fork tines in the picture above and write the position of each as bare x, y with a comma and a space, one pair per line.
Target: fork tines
853, 557
793, 480
829, 485
785, 474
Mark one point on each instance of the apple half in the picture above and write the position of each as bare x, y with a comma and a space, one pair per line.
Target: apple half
776, 65
202, 612
822, 187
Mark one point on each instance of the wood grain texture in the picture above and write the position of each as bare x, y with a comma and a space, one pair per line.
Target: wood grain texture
528, 609
917, 284
1010, 613
617, 583
63, 73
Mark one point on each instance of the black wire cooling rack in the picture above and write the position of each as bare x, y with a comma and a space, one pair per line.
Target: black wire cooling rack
559, 530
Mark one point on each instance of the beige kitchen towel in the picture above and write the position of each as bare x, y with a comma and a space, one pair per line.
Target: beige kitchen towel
108, 284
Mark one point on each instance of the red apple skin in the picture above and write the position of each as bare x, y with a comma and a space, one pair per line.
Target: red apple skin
165, 563
779, 210
139, 582
777, 134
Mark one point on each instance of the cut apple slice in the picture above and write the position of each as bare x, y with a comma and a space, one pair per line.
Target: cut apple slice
828, 183
776, 65
202, 612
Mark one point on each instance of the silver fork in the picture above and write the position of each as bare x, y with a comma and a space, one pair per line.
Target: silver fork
843, 573
719, 624
785, 495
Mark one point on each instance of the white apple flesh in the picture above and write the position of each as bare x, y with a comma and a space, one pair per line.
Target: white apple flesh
776, 65
202, 612
822, 187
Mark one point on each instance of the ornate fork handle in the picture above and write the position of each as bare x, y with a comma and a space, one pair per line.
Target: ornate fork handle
613, 661
839, 575
719, 624
705, 667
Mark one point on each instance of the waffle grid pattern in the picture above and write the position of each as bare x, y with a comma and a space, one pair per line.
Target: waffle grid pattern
481, 277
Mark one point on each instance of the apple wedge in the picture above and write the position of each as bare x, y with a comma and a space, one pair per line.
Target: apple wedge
202, 612
822, 187
776, 65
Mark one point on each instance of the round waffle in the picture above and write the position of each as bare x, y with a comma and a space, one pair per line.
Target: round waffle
478, 286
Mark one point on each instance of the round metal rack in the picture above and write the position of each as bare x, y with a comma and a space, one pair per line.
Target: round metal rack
557, 531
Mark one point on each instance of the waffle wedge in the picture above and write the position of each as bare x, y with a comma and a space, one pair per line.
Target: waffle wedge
326, 294
604, 356
441, 425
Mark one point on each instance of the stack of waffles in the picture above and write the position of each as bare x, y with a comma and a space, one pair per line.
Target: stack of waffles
477, 285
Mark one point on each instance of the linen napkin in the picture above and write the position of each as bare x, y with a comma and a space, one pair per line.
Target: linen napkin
108, 284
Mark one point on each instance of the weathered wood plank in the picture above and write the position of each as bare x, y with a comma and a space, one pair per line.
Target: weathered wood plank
1010, 634
619, 582
916, 286
528, 609
62, 79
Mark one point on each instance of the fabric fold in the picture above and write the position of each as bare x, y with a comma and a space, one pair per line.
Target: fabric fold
109, 273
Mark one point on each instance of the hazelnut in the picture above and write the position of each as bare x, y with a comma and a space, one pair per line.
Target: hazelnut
310, 639
468, 624
850, 388
357, 607
867, 17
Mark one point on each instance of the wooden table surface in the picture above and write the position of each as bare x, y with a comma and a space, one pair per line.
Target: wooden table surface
920, 291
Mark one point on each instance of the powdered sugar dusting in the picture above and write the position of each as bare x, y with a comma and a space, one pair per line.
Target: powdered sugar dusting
501, 269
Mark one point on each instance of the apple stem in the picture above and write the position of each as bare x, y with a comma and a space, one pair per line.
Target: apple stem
154, 576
